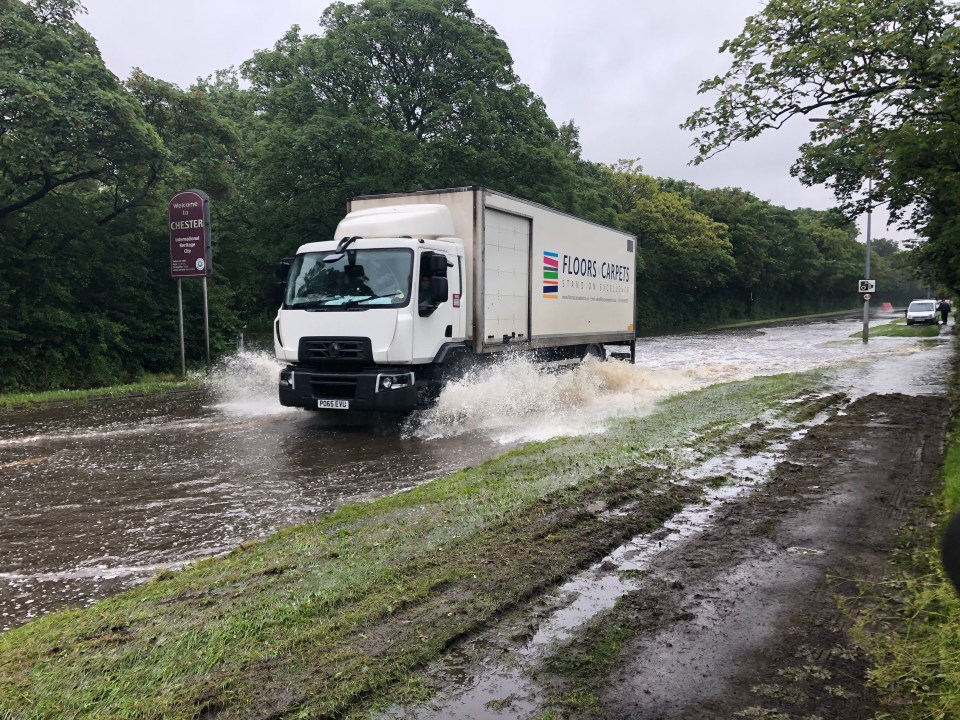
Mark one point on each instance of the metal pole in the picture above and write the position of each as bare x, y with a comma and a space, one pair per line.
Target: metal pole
866, 302
206, 323
183, 354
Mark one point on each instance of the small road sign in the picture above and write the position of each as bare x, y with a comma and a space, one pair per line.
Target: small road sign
866, 286
866, 296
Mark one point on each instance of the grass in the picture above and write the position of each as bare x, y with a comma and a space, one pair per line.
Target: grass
151, 384
912, 633
324, 619
895, 329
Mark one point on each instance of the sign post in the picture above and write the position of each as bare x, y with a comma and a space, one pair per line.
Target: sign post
866, 287
188, 219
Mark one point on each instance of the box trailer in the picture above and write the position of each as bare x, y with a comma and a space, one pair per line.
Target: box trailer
417, 287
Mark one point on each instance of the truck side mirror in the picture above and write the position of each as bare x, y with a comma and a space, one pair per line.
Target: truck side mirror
283, 269
438, 264
439, 292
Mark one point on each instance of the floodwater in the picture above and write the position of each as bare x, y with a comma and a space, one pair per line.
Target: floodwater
99, 496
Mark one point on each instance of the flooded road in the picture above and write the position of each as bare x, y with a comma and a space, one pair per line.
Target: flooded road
102, 495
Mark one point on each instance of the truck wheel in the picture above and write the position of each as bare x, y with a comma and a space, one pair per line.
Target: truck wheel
596, 352
457, 366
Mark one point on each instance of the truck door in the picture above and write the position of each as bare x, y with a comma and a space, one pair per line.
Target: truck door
436, 321
506, 277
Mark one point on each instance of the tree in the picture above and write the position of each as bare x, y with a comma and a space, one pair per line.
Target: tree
64, 118
86, 166
885, 76
399, 95
683, 257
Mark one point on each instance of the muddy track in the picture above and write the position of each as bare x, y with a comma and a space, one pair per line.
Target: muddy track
740, 619
750, 623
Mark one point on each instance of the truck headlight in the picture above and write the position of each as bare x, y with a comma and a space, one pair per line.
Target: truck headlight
286, 378
396, 381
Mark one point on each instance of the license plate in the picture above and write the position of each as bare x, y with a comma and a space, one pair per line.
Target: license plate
333, 404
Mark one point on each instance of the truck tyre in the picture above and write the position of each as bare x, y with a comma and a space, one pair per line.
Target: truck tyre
457, 366
596, 352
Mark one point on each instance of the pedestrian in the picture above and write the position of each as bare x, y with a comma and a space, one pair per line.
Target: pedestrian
944, 308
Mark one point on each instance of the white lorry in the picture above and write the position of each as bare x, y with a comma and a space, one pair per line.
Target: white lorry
417, 287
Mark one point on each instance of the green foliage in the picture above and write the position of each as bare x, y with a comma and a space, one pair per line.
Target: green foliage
881, 80
65, 119
913, 635
86, 166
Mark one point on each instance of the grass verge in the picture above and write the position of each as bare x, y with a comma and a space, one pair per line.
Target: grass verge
149, 385
324, 619
895, 329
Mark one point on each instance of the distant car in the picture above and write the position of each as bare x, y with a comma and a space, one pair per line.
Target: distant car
922, 311
886, 310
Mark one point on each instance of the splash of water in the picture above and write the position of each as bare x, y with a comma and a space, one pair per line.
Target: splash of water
245, 383
509, 401
516, 399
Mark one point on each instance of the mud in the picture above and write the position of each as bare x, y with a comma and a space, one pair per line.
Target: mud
752, 623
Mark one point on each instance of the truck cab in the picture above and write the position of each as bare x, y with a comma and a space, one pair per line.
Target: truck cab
367, 320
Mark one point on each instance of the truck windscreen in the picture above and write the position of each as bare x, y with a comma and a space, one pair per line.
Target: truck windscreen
373, 278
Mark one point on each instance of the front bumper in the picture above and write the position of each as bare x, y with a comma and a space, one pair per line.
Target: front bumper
387, 390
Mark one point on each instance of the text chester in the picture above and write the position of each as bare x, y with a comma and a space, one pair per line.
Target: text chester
186, 224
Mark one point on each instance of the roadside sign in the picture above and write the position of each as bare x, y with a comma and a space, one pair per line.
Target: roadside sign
866, 296
188, 219
867, 286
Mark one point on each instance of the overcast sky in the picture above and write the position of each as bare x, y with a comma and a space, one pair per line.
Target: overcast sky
625, 71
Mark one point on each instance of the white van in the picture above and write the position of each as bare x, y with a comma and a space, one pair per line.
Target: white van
922, 311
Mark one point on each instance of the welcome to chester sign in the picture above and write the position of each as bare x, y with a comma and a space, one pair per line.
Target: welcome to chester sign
188, 217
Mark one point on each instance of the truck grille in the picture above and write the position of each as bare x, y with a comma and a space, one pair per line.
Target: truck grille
337, 387
333, 351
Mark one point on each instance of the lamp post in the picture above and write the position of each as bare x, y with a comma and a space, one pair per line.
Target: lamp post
866, 300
